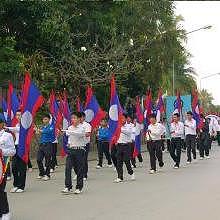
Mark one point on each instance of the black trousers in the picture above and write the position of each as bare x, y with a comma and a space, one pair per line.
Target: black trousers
175, 150
155, 151
114, 155
103, 148
86, 166
133, 159
54, 155
44, 152
4, 207
203, 142
75, 159
123, 156
191, 146
29, 163
168, 144
19, 170
218, 137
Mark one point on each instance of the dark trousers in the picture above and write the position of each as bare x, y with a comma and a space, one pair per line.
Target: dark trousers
29, 163
203, 142
114, 155
183, 144
218, 137
175, 150
75, 159
45, 151
86, 166
133, 159
168, 144
103, 148
155, 151
8, 171
4, 207
123, 156
191, 146
54, 155
19, 170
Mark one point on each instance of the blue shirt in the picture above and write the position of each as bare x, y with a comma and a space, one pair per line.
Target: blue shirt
48, 134
103, 134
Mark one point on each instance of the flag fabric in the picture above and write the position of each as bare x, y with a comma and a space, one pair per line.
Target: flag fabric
148, 108
138, 128
12, 106
196, 110
79, 106
115, 115
4, 109
32, 100
94, 114
177, 104
160, 106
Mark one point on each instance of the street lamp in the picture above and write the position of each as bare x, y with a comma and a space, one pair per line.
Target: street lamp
205, 77
206, 27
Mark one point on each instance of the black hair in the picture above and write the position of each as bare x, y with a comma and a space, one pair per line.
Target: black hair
125, 115
176, 114
46, 115
189, 113
202, 116
152, 116
19, 110
77, 114
2, 120
83, 114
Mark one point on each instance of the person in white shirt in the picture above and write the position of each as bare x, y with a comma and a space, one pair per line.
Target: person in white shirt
190, 136
218, 132
7, 149
19, 167
88, 130
155, 132
76, 154
123, 150
176, 131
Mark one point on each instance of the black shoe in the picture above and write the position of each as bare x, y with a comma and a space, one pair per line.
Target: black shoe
161, 164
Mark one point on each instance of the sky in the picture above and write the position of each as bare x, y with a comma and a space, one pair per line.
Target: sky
204, 45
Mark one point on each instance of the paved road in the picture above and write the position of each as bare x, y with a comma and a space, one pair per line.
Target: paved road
192, 192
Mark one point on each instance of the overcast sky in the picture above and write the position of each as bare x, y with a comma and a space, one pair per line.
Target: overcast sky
204, 45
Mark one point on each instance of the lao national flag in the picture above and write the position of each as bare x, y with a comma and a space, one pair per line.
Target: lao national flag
160, 106
94, 114
148, 107
12, 106
32, 100
115, 115
196, 110
177, 104
4, 109
79, 106
138, 128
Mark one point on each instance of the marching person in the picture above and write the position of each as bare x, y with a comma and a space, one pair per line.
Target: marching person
190, 133
19, 167
154, 134
54, 155
103, 144
123, 151
88, 130
114, 155
7, 149
46, 148
177, 131
76, 154
203, 138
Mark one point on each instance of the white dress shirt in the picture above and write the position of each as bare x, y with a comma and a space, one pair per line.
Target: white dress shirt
178, 129
7, 144
125, 135
191, 128
76, 136
132, 138
156, 131
88, 128
16, 131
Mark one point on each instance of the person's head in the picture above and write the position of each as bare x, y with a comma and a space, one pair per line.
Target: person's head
129, 119
176, 117
76, 118
2, 123
18, 115
152, 119
124, 118
202, 116
189, 115
83, 116
103, 123
46, 119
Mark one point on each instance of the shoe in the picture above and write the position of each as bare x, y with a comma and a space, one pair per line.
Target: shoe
152, 171
118, 180
20, 191
6, 216
161, 164
207, 157
109, 165
84, 179
132, 166
13, 190
51, 170
56, 166
141, 164
8, 178
67, 191
133, 177
75, 177
39, 177
115, 169
77, 191
201, 158
46, 178
188, 162
30, 170
98, 167
176, 167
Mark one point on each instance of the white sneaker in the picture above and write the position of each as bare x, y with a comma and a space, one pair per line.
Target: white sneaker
8, 178
109, 165
141, 164
46, 178
98, 167
75, 177
188, 162
20, 191
207, 157
133, 177
118, 180
77, 191
115, 169
51, 170
39, 177
132, 166
6, 216
85, 179
13, 190
201, 158
30, 170
67, 191
152, 171
176, 167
